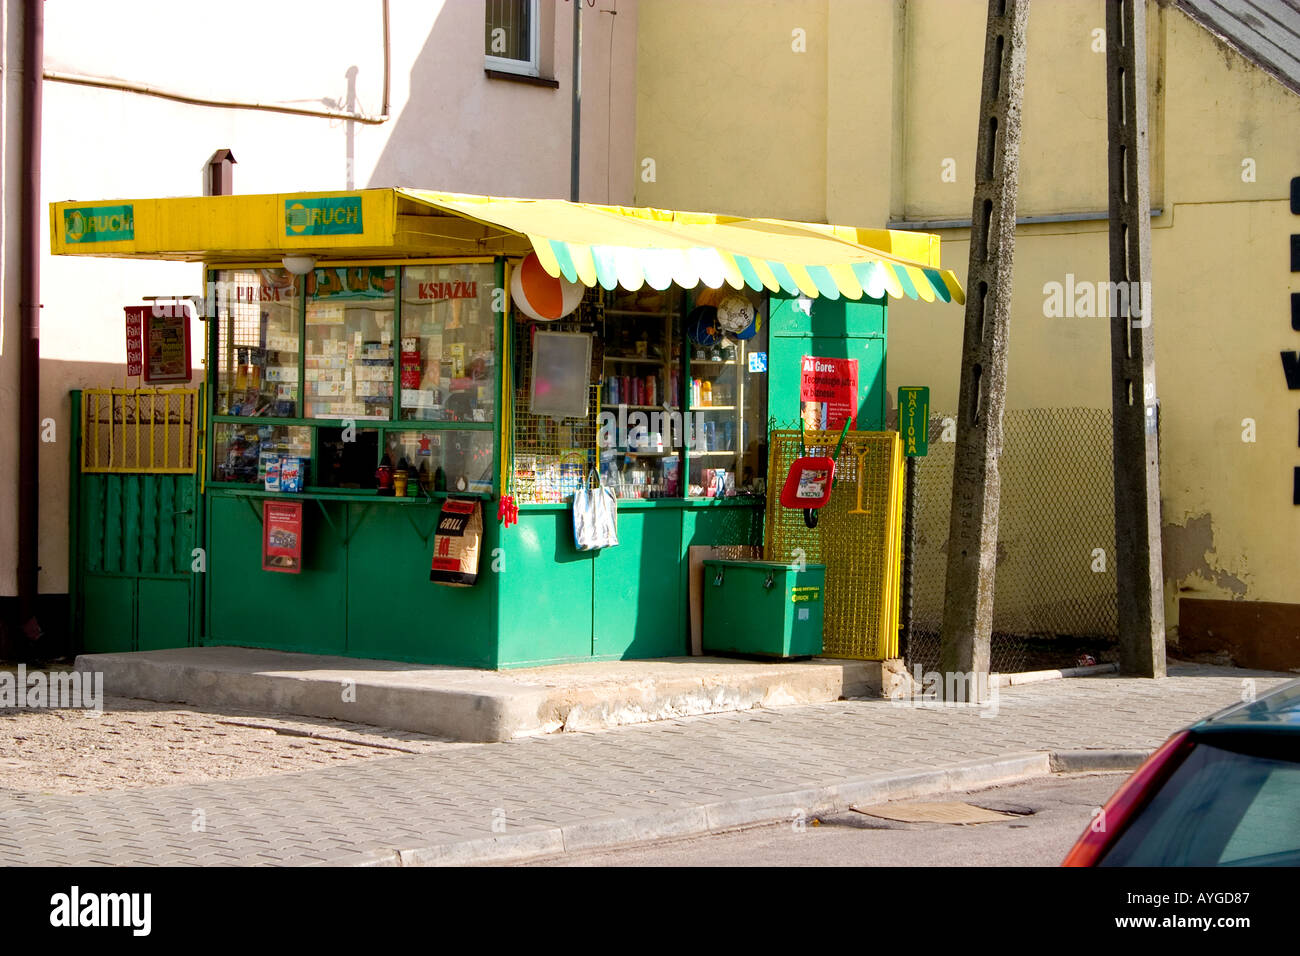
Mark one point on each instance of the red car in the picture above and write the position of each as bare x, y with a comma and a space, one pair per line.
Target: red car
1223, 792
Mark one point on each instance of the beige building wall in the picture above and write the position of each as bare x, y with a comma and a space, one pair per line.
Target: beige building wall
729, 118
451, 128
895, 86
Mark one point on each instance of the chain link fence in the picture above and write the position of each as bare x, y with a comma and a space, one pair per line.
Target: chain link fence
1055, 592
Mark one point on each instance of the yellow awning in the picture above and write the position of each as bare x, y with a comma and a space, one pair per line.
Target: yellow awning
596, 245
630, 247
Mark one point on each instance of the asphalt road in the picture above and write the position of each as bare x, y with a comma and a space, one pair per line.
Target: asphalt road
1051, 812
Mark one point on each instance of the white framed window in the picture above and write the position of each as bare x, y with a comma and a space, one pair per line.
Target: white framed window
511, 32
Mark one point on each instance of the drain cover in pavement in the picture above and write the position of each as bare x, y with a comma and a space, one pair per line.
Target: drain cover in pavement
951, 811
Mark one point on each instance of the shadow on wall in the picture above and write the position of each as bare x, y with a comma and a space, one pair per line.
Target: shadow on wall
461, 131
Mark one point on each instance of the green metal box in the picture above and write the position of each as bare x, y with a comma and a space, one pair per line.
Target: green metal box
764, 608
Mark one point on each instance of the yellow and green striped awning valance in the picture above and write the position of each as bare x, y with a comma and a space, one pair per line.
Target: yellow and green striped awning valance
630, 247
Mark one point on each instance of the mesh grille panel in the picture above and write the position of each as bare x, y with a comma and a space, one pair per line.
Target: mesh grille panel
858, 537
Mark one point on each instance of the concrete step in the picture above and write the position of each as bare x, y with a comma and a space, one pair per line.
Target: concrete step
461, 703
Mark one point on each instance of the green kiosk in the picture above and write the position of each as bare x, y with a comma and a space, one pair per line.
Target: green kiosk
371, 354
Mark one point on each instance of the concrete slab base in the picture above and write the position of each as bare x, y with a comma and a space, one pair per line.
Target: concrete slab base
478, 705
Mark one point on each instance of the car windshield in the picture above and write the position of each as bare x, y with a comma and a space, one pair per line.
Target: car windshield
1221, 808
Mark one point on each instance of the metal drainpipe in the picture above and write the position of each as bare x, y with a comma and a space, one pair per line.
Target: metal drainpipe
388, 60
29, 380
575, 137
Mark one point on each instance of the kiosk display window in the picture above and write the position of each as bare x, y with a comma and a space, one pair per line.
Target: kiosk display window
643, 433
448, 343
348, 369
315, 356
727, 395
242, 452
446, 459
257, 312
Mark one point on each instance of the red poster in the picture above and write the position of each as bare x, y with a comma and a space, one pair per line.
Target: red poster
411, 367
167, 343
828, 389
282, 536
135, 340
158, 342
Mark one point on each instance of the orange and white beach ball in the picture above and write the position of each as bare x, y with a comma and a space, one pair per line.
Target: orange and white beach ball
542, 296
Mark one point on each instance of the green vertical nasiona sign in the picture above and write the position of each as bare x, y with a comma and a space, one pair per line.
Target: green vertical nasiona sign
323, 216
914, 419
99, 223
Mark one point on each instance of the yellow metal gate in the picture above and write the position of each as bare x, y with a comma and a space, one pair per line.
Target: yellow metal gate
135, 515
859, 537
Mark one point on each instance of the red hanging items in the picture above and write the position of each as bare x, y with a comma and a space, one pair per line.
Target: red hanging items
808, 484
507, 511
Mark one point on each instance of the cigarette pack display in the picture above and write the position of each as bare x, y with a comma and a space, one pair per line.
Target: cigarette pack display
291, 475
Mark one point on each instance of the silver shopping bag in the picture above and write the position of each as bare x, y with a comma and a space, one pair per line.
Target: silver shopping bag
595, 516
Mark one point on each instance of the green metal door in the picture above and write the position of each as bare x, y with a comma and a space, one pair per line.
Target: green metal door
134, 509
829, 329
637, 609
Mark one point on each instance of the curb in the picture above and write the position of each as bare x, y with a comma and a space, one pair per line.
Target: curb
1091, 761
1034, 677
614, 832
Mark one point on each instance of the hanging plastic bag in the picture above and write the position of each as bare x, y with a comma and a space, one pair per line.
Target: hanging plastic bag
595, 515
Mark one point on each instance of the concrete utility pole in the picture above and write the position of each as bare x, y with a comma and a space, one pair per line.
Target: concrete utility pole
976, 483
1133, 369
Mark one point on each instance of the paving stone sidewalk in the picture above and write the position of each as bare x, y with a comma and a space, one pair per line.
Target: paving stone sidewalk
358, 812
